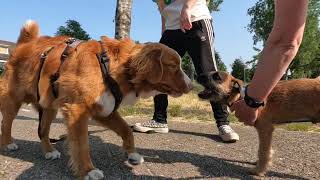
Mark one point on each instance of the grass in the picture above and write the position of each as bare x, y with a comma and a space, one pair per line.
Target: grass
190, 108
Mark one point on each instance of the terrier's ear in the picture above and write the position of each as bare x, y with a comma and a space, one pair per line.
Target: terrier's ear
237, 85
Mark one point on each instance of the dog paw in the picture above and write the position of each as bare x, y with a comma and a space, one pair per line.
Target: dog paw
53, 155
12, 147
135, 159
256, 171
94, 175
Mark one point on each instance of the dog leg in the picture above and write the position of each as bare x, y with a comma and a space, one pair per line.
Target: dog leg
265, 130
77, 116
9, 110
120, 126
46, 120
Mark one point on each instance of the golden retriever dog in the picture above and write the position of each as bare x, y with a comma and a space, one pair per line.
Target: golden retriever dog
139, 70
290, 101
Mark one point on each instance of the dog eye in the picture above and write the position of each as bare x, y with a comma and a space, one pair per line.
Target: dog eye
216, 77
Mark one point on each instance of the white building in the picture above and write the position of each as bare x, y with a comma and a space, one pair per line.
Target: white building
5, 47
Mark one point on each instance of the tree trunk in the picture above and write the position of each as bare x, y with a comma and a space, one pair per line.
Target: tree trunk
123, 19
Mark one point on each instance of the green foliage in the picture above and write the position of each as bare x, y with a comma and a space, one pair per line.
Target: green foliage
240, 70
213, 5
220, 64
306, 62
262, 14
73, 29
187, 66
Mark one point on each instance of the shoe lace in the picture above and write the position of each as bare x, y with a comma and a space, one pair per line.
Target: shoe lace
225, 129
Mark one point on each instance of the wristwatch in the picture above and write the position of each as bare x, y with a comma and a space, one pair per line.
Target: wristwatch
251, 102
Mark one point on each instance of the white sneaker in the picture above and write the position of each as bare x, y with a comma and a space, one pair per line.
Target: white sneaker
151, 126
227, 134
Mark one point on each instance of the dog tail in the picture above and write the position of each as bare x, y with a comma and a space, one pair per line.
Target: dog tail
29, 32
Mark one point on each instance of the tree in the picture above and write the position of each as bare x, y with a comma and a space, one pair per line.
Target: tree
240, 70
123, 19
220, 64
213, 5
187, 66
305, 63
73, 29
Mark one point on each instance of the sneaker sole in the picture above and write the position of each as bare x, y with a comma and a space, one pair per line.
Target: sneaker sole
150, 130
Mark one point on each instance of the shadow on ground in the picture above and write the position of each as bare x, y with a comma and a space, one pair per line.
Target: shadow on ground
110, 159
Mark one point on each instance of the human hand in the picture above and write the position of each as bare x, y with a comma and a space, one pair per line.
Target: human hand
185, 19
244, 113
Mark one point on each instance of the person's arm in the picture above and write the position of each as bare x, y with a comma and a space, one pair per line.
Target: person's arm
281, 46
163, 25
280, 49
161, 6
185, 17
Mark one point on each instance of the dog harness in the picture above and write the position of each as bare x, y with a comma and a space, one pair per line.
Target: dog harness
103, 60
108, 80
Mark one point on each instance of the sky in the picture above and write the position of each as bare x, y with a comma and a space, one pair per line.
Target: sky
232, 40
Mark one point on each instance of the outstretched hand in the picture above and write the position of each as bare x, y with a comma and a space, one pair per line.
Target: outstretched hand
244, 113
185, 19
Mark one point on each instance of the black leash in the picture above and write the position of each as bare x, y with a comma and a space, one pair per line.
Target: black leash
108, 80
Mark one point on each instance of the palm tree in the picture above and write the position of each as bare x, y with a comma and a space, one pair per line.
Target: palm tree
123, 19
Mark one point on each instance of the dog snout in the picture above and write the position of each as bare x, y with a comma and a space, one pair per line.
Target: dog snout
188, 82
190, 87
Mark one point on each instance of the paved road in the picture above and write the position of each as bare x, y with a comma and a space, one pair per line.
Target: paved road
189, 151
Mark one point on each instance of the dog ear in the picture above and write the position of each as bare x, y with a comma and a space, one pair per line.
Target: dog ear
148, 65
237, 85
156, 68
235, 91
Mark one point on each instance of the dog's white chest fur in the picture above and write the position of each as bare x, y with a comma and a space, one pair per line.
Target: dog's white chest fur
107, 101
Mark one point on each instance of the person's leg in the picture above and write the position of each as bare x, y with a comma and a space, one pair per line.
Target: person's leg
200, 48
174, 40
160, 108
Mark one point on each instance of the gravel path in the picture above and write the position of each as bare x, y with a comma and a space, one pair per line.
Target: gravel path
192, 150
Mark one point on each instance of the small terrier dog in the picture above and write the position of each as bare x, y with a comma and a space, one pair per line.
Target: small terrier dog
290, 101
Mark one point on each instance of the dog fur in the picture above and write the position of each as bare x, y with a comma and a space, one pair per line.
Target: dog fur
290, 101
139, 69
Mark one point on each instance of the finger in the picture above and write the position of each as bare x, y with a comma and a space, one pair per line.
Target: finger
189, 23
182, 29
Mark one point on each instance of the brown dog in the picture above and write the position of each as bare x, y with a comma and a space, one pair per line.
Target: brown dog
290, 101
140, 70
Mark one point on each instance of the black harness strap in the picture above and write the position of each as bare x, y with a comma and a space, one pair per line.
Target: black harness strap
108, 80
71, 43
43, 57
